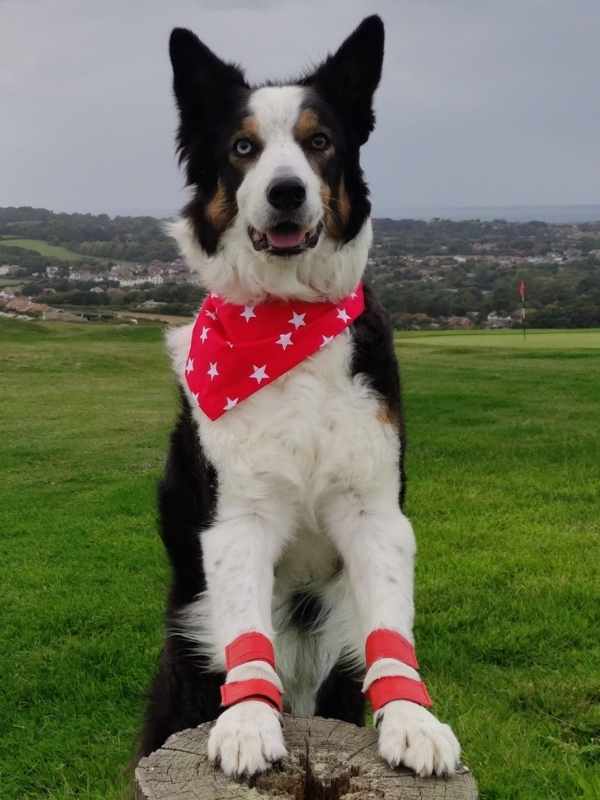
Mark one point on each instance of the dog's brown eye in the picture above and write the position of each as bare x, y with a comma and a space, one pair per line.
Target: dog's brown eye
319, 142
243, 147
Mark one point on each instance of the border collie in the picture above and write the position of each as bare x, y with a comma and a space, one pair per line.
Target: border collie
281, 504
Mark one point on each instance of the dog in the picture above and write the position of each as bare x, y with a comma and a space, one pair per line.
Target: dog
281, 502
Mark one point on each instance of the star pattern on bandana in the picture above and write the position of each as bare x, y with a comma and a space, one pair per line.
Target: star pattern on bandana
259, 373
238, 350
297, 320
212, 371
248, 313
285, 340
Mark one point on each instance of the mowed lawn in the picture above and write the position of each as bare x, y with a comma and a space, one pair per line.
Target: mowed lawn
45, 249
504, 493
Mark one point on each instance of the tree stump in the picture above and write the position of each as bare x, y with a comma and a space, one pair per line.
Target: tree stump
328, 760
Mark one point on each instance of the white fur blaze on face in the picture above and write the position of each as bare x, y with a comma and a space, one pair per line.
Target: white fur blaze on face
239, 273
276, 110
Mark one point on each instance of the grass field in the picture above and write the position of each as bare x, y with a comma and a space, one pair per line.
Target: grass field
504, 492
532, 341
45, 249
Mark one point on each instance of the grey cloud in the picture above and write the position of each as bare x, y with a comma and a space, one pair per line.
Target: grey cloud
481, 102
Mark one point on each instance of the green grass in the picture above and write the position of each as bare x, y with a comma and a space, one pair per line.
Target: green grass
504, 494
533, 341
45, 249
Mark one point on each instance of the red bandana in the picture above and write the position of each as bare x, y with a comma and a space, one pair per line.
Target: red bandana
236, 350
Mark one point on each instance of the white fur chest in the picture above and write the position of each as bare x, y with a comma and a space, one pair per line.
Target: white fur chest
312, 432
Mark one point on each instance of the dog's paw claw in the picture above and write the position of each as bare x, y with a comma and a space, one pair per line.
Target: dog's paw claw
410, 735
246, 739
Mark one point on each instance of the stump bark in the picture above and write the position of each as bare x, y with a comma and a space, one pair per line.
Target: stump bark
328, 760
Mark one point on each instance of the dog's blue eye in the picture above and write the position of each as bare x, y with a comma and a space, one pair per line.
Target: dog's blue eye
243, 147
319, 141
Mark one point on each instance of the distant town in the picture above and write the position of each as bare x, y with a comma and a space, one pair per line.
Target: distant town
429, 274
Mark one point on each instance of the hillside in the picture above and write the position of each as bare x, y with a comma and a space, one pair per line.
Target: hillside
472, 269
89, 235
440, 273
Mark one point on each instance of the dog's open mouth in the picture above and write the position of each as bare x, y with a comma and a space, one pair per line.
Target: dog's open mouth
285, 239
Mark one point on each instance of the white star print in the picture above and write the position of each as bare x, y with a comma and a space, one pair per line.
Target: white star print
212, 370
248, 313
231, 403
189, 367
297, 320
211, 314
326, 340
229, 344
285, 340
353, 295
343, 315
204, 334
259, 373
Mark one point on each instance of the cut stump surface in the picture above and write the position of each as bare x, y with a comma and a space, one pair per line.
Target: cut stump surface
328, 760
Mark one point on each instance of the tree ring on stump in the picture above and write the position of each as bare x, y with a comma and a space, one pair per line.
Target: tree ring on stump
328, 760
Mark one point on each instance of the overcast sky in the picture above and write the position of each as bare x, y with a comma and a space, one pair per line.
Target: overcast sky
483, 102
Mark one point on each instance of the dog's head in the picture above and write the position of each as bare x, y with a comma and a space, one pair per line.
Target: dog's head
279, 204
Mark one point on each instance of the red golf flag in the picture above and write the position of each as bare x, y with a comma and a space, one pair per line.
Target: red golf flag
522, 289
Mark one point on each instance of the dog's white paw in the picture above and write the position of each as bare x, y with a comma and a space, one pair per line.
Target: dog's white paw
246, 739
412, 736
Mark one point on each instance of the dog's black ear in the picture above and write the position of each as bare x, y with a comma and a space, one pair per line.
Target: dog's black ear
200, 78
348, 78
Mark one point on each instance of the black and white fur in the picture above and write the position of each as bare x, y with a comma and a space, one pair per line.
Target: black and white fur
284, 515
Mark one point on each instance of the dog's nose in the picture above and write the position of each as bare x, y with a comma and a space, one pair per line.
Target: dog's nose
286, 194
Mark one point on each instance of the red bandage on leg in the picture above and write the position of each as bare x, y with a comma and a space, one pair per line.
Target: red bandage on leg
249, 647
255, 689
383, 643
394, 687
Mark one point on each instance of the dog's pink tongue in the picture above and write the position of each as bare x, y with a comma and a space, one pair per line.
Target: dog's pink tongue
283, 241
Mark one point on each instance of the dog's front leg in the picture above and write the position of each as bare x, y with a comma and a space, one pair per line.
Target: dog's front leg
239, 555
377, 545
